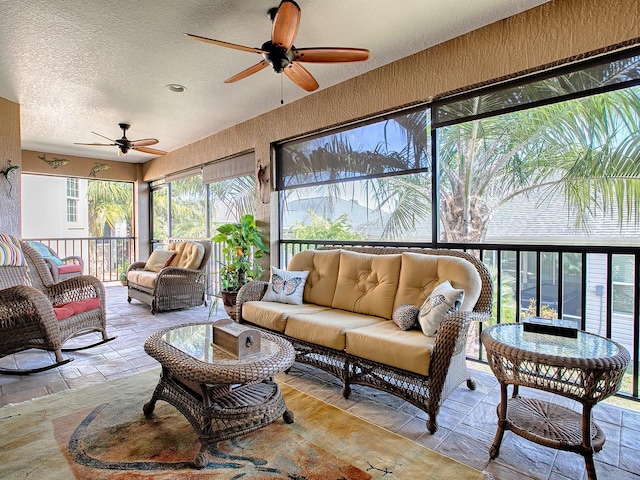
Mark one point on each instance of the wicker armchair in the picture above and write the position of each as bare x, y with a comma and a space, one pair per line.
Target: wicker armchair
61, 268
31, 304
172, 287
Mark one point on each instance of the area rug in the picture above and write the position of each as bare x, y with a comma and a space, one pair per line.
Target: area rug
100, 433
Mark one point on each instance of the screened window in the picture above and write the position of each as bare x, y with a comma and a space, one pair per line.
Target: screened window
159, 212
548, 175
371, 182
188, 208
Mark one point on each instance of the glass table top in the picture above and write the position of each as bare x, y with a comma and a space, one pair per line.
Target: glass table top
586, 345
197, 341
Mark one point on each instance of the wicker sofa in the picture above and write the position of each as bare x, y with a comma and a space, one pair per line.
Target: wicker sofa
343, 325
177, 283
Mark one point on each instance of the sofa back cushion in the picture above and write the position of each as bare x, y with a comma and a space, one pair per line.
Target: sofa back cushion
322, 266
188, 254
367, 283
421, 273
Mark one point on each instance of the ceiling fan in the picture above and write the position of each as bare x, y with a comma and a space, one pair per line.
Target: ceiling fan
283, 56
124, 144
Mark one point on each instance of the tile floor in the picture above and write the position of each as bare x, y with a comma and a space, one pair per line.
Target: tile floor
467, 419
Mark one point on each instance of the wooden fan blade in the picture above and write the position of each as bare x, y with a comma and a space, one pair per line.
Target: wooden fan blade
249, 71
301, 77
285, 24
220, 43
110, 139
152, 151
330, 55
98, 144
144, 142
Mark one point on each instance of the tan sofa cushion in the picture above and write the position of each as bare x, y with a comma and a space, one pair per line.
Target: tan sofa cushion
273, 316
143, 277
188, 254
385, 343
326, 328
421, 273
322, 266
367, 283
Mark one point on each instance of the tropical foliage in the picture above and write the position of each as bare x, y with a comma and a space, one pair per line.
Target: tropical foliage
322, 228
188, 208
242, 247
110, 204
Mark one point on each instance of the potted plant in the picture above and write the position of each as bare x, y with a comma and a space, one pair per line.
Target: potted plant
242, 247
122, 274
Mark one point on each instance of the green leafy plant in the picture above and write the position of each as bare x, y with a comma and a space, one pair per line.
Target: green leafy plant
243, 245
122, 272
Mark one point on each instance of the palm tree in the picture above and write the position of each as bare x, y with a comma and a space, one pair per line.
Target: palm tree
233, 198
584, 149
110, 203
188, 208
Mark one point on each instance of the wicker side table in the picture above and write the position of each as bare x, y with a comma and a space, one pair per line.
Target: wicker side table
587, 369
221, 396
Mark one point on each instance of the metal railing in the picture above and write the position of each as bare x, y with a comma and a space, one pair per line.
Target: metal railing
104, 257
581, 283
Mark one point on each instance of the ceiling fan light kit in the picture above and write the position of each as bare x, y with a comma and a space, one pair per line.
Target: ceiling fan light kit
282, 55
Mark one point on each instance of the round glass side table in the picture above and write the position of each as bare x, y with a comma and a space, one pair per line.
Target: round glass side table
587, 369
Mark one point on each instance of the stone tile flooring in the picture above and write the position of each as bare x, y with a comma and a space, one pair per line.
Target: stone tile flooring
467, 419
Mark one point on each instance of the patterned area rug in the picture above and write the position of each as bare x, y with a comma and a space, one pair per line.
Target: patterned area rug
100, 433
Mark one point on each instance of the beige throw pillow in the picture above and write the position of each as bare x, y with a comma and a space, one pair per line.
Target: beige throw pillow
158, 260
443, 299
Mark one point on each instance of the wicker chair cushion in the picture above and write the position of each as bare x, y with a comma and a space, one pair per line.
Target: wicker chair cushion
385, 343
367, 283
10, 251
159, 259
327, 327
143, 277
443, 299
188, 254
285, 286
322, 266
64, 269
406, 316
66, 310
420, 273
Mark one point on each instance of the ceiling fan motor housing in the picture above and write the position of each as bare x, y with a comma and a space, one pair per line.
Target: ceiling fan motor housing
278, 57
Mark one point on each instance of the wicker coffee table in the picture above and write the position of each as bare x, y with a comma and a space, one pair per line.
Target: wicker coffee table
220, 395
588, 369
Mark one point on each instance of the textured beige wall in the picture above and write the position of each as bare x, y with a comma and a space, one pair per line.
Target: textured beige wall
547, 34
10, 150
78, 167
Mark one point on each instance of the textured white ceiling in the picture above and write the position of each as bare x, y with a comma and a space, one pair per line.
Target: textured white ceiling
77, 66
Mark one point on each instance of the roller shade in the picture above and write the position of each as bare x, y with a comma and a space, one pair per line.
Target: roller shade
180, 175
229, 168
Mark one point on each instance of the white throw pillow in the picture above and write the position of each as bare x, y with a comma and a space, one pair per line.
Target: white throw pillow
285, 286
443, 299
